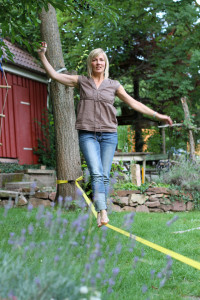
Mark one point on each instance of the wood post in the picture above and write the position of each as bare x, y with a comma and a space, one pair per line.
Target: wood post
163, 141
191, 138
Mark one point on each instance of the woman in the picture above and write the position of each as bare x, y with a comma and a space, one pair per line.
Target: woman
96, 120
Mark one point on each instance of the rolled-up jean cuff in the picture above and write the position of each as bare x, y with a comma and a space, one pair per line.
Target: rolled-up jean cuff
100, 201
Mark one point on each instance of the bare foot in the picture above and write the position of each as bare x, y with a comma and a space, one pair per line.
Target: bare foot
104, 217
99, 219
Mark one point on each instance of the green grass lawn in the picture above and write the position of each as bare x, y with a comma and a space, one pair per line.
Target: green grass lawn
51, 246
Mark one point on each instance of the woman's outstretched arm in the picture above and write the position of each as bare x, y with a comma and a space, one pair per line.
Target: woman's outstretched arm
138, 106
69, 80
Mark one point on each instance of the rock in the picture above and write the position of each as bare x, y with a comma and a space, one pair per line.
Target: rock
156, 210
37, 202
133, 204
128, 208
138, 198
135, 174
116, 208
8, 194
165, 201
159, 190
152, 204
190, 205
122, 201
21, 201
52, 196
186, 196
125, 193
41, 195
30, 190
174, 193
156, 196
6, 202
18, 186
142, 208
149, 193
154, 199
165, 207
178, 206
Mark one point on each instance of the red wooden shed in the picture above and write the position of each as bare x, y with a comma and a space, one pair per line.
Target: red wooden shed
23, 107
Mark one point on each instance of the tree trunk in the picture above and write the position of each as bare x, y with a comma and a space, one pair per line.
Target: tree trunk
191, 138
139, 141
68, 164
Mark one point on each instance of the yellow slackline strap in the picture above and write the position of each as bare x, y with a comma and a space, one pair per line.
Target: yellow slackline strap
68, 181
183, 259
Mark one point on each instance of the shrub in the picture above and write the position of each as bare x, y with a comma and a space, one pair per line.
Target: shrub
185, 174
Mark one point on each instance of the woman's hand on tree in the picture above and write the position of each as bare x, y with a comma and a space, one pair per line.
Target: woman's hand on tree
43, 48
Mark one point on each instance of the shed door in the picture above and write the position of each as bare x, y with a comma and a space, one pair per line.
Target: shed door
23, 125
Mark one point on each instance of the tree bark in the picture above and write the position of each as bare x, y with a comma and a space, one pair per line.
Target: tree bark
191, 138
68, 165
139, 141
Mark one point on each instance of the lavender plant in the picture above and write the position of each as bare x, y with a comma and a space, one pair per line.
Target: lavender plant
59, 257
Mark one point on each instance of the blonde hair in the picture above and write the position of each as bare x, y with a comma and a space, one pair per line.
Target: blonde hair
94, 53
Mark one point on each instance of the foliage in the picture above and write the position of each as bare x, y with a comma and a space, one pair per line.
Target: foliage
46, 149
185, 174
14, 168
153, 55
145, 47
122, 138
20, 19
58, 254
154, 143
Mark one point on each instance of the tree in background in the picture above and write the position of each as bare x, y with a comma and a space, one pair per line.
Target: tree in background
152, 47
146, 52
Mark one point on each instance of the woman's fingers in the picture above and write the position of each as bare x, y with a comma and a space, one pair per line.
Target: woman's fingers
43, 47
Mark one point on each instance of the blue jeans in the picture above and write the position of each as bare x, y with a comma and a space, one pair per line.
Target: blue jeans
98, 149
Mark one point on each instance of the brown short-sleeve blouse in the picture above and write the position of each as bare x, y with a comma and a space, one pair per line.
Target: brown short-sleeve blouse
95, 109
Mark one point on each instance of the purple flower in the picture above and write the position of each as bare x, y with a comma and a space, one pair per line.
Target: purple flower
129, 219
136, 258
111, 282
109, 290
65, 221
118, 248
170, 222
93, 281
74, 243
152, 272
144, 289
56, 258
142, 253
37, 281
87, 267
78, 193
30, 228
23, 231
162, 283
115, 271
60, 200
79, 223
43, 244
30, 207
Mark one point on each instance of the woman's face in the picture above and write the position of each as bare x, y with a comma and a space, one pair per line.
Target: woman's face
98, 64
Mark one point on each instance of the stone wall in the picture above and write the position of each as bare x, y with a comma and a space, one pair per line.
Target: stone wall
27, 196
155, 199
